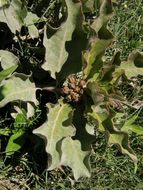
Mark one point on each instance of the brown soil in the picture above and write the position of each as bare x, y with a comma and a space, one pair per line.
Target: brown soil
8, 185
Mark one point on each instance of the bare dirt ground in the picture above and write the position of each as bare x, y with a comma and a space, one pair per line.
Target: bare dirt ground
9, 185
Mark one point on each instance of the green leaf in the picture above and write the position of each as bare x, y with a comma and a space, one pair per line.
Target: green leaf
8, 59
80, 144
15, 142
130, 121
90, 128
55, 129
4, 3
130, 127
93, 58
5, 132
25, 108
56, 53
20, 121
18, 138
5, 73
96, 92
99, 114
17, 87
13, 15
74, 48
119, 138
133, 128
133, 66
109, 68
116, 75
29, 21
105, 14
82, 134
9, 63
74, 157
88, 6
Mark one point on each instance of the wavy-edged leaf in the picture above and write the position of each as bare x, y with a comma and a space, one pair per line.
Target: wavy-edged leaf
82, 134
133, 66
99, 114
30, 21
96, 92
17, 87
119, 138
8, 59
81, 142
56, 54
88, 6
9, 63
13, 15
74, 157
57, 127
109, 68
93, 58
105, 14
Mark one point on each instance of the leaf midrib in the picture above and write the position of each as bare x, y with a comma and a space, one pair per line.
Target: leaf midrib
54, 127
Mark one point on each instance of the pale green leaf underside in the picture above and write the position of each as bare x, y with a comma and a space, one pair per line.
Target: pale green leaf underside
56, 54
57, 127
8, 59
13, 15
75, 158
29, 21
133, 66
99, 114
17, 87
119, 138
